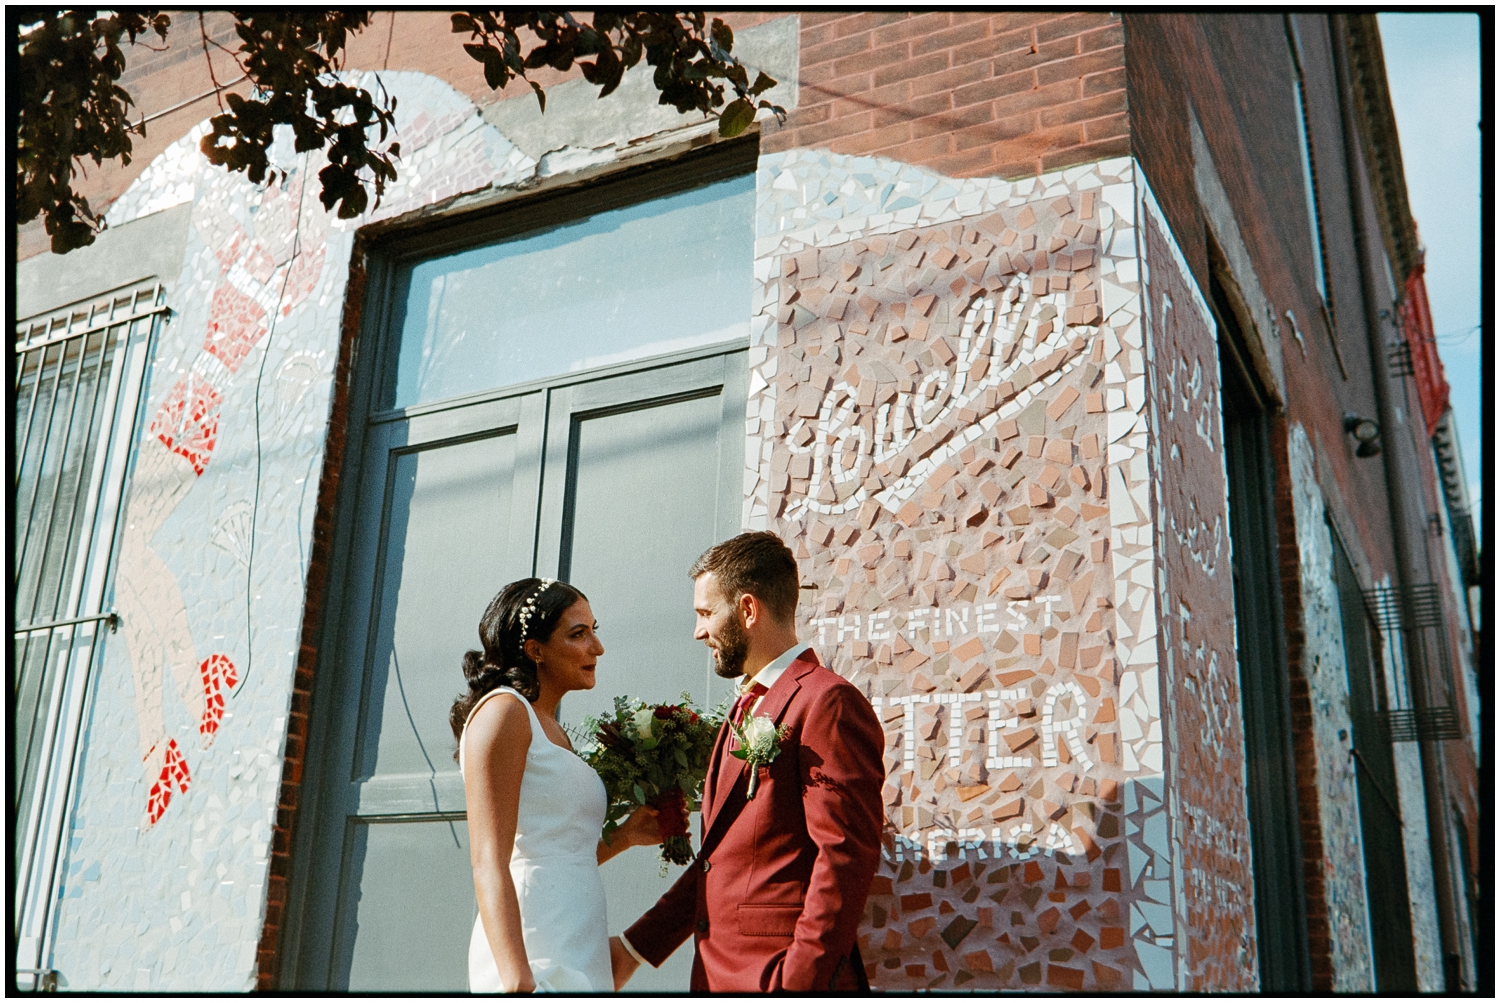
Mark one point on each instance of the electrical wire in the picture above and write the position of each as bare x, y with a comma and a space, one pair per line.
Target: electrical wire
259, 380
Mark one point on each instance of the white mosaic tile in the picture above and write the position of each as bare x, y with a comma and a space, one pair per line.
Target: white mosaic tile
169, 895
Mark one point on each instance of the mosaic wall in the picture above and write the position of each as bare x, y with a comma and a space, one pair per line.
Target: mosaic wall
949, 419
948, 423
1415, 836
166, 862
1215, 897
1326, 670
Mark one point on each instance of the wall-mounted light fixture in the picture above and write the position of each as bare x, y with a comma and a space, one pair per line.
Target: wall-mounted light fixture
1365, 431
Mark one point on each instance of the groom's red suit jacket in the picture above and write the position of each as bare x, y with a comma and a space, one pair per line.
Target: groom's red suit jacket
778, 889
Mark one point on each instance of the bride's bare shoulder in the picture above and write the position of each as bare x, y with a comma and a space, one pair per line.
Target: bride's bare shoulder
500, 716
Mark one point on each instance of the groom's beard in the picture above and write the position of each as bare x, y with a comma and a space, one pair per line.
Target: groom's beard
729, 656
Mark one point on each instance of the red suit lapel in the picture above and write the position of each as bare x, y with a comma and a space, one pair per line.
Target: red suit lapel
773, 706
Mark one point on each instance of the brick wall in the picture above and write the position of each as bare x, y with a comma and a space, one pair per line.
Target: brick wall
283, 834
176, 78
1289, 571
1006, 95
963, 94
1181, 66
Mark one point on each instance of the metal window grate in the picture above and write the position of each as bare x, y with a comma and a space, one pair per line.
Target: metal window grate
1411, 612
119, 306
80, 373
1398, 359
1435, 724
1415, 607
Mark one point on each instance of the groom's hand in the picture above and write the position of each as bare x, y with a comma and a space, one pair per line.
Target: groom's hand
621, 964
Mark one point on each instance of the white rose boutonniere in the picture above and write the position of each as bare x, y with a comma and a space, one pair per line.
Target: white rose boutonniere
760, 743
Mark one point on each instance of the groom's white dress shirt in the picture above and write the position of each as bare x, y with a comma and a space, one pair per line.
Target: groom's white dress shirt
767, 676
771, 672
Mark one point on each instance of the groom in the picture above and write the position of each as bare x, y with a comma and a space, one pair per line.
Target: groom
776, 894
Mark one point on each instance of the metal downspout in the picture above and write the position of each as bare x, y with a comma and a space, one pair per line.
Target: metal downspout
1407, 562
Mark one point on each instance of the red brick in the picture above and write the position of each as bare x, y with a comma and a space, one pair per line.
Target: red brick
1038, 97
891, 95
869, 21
1080, 66
874, 60
1103, 38
876, 139
949, 79
915, 111
843, 86
1110, 80
1014, 21
952, 121
914, 26
826, 17
814, 35
1073, 24
817, 135
1085, 153
1044, 141
920, 150
965, 164
1088, 108
994, 132
912, 68
1029, 57
830, 51
994, 88
811, 115
856, 105
996, 44
1102, 128
959, 35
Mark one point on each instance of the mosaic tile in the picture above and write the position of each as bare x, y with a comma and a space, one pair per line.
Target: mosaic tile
942, 403
180, 829
1324, 668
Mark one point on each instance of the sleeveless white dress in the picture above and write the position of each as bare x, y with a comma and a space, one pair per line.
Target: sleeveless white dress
555, 869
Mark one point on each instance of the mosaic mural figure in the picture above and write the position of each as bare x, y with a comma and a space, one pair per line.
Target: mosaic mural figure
261, 272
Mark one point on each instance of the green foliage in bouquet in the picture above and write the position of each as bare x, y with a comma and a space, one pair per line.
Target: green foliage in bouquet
654, 754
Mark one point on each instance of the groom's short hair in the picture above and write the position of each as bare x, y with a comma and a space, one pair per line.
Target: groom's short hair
757, 564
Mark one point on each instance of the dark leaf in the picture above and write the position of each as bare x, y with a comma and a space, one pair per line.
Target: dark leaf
736, 117
722, 36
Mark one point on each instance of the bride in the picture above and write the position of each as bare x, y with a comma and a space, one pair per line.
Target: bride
535, 808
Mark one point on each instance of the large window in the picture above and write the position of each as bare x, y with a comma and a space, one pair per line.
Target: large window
558, 389
622, 282
79, 373
1309, 169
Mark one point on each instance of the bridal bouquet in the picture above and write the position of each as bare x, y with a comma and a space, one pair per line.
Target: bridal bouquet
654, 754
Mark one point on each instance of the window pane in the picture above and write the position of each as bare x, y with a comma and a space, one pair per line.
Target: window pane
656, 277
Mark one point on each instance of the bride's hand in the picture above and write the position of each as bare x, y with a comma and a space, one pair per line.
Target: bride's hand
640, 828
622, 964
523, 982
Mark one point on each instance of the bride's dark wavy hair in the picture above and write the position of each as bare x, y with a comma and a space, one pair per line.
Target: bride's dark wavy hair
503, 660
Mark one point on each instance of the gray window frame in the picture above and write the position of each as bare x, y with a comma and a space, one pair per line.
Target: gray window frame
375, 355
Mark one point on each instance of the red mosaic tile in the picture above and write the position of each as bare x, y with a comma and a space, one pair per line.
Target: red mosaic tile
218, 675
187, 422
235, 324
174, 772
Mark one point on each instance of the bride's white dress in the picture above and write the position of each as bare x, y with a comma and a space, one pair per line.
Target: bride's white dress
555, 869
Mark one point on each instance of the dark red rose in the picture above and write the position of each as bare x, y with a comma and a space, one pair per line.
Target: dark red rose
663, 711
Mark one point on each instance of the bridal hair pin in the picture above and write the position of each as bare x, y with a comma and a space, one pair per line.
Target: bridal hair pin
530, 608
